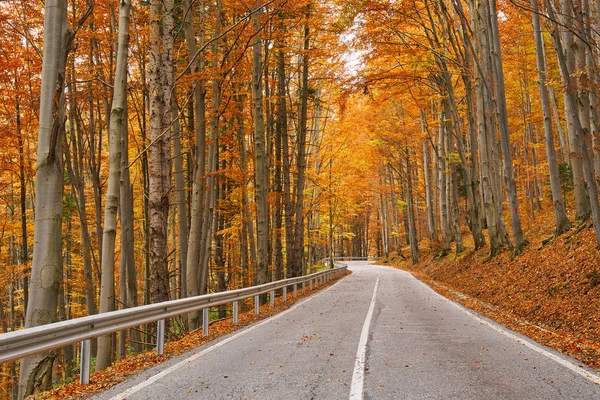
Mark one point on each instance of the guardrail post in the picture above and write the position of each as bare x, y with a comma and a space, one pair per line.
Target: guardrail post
160, 337
284, 294
256, 304
84, 362
235, 312
272, 298
310, 284
205, 320
295, 290
303, 287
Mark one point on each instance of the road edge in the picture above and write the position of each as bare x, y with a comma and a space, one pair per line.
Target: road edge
566, 360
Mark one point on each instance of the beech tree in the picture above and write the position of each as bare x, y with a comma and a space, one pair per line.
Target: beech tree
118, 124
217, 145
46, 267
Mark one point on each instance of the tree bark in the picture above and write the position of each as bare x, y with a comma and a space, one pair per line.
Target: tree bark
298, 259
180, 188
197, 206
502, 111
160, 80
577, 128
414, 243
560, 212
285, 155
36, 371
118, 124
261, 163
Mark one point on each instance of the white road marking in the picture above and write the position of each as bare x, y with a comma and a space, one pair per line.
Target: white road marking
358, 376
527, 343
196, 356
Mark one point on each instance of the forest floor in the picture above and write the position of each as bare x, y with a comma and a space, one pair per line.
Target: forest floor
134, 364
550, 293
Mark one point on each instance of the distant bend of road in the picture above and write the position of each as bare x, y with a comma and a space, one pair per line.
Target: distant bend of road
376, 334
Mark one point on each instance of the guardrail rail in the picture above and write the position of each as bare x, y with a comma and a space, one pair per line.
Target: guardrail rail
326, 261
26, 342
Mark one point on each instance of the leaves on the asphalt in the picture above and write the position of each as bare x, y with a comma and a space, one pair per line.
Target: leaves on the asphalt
131, 365
546, 293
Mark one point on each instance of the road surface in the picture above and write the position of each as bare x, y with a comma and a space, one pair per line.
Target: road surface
376, 334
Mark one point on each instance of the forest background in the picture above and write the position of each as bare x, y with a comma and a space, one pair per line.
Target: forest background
156, 150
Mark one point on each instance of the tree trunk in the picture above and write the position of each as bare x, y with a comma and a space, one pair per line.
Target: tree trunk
298, 259
414, 244
278, 205
577, 128
582, 204
487, 136
213, 160
247, 224
127, 237
564, 150
75, 165
197, 206
36, 371
23, 204
560, 213
502, 110
285, 155
118, 124
160, 80
432, 227
443, 182
180, 188
261, 163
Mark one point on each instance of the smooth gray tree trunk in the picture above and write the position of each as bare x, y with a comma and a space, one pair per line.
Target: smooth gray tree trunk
560, 212
511, 187
36, 371
118, 123
198, 191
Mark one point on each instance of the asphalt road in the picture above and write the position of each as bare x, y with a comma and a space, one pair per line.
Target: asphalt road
376, 334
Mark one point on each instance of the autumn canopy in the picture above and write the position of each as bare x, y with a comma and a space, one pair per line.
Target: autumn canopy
155, 150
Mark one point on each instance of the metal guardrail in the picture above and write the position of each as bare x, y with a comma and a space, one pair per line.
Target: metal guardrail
30, 341
349, 258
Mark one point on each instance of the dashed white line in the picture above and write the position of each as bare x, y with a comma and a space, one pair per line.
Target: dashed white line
358, 376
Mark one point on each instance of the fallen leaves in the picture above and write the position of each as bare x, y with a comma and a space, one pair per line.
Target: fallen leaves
134, 364
547, 293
